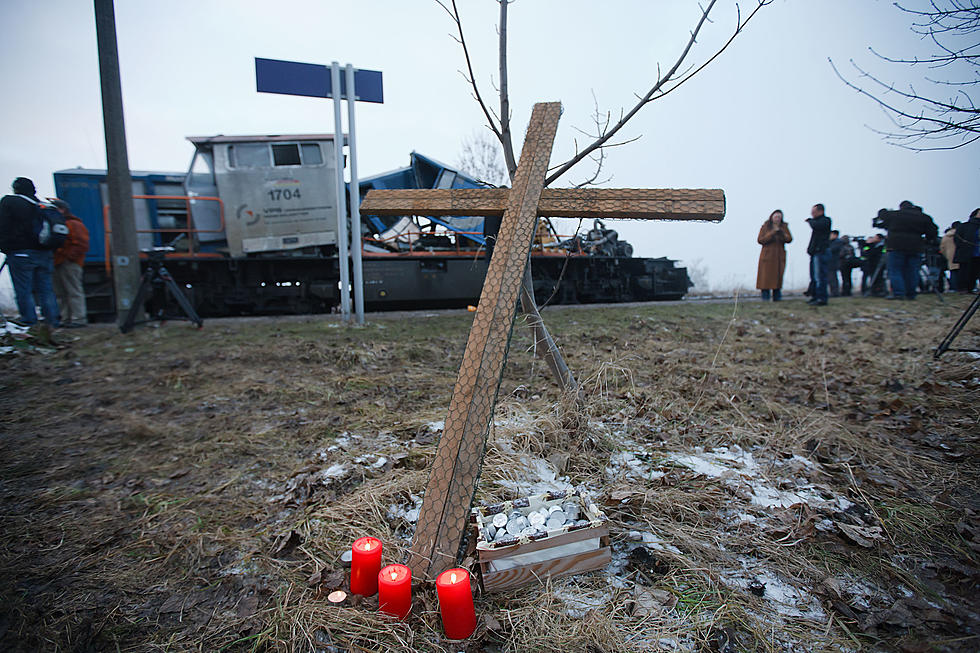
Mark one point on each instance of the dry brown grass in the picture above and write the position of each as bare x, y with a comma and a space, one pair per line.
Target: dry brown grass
172, 496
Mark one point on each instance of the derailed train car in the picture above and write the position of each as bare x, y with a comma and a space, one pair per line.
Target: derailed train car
253, 228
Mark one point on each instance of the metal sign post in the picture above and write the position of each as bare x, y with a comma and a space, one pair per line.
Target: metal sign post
355, 199
356, 85
342, 238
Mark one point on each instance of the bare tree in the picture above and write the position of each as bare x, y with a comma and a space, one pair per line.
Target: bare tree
683, 69
480, 158
938, 112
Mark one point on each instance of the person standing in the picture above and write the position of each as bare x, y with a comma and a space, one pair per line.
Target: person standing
69, 262
833, 269
968, 251
909, 232
948, 248
873, 278
30, 266
848, 261
819, 252
773, 236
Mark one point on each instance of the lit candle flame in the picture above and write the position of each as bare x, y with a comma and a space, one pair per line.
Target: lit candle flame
394, 575
368, 545
452, 577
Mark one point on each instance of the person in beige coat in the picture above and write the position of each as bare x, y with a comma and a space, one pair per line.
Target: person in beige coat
947, 246
773, 237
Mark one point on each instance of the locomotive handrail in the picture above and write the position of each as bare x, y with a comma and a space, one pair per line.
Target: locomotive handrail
189, 230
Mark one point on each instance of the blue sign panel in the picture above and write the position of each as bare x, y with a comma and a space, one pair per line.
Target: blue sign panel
313, 80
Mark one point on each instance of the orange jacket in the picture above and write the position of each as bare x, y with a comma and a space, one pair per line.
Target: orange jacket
75, 248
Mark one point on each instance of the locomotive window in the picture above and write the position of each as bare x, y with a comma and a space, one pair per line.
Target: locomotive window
311, 154
201, 172
248, 155
285, 155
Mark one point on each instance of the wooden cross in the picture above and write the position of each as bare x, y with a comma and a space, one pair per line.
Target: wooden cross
452, 482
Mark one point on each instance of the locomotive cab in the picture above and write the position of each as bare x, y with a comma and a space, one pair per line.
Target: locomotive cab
263, 194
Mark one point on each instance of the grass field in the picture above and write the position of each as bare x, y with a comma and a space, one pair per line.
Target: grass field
777, 478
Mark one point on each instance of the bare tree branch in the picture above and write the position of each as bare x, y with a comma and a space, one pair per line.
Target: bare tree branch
469, 76
505, 136
931, 119
665, 84
480, 158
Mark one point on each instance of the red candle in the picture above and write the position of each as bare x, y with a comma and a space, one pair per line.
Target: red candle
364, 566
456, 603
395, 590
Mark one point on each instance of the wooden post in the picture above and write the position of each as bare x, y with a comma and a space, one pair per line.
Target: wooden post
124, 243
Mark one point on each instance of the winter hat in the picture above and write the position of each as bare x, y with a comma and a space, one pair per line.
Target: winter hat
24, 186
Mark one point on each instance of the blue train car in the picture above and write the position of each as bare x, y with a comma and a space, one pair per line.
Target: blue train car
85, 190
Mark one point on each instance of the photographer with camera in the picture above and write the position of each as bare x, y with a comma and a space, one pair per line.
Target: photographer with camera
910, 232
967, 241
872, 278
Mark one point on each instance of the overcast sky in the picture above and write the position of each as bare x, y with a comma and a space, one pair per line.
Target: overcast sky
768, 121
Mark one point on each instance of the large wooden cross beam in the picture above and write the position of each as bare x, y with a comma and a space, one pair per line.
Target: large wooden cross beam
452, 482
605, 203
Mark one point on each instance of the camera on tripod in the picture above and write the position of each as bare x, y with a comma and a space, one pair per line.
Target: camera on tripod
157, 254
157, 289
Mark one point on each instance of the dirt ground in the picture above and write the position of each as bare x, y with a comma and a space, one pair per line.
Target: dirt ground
776, 478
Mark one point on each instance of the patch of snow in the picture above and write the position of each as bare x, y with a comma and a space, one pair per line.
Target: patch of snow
578, 602
407, 511
768, 497
785, 598
437, 426
806, 462
653, 542
337, 470
10, 328
738, 469
719, 463
631, 464
539, 477
701, 466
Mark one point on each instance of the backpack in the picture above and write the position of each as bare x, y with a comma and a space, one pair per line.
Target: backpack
50, 229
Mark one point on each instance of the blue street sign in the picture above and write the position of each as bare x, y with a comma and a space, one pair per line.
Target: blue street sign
313, 80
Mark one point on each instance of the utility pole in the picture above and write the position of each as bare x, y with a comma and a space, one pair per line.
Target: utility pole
122, 221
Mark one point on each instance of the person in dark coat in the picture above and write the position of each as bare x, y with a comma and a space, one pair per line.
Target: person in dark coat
848, 261
873, 278
910, 231
968, 251
773, 236
819, 252
833, 269
30, 267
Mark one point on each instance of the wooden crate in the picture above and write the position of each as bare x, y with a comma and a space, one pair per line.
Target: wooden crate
520, 560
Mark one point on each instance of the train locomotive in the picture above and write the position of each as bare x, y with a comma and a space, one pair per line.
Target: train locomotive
252, 226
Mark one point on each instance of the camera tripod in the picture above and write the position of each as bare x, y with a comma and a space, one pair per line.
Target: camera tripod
156, 283
879, 271
944, 346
